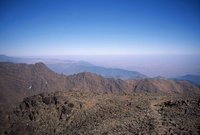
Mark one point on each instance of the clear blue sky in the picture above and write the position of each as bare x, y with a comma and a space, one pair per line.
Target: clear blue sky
115, 27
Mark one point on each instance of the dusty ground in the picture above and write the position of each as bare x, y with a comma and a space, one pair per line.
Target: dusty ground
94, 113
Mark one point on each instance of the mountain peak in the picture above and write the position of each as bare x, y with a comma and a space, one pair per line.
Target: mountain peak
88, 74
40, 65
22, 80
160, 78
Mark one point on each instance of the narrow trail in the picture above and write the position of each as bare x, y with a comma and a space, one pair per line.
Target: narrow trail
154, 106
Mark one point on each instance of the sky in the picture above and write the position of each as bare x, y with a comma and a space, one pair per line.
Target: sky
156, 37
99, 27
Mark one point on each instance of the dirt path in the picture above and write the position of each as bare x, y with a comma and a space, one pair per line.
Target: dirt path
154, 106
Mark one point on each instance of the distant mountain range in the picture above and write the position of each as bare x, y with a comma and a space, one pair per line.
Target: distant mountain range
191, 78
78, 67
22, 80
69, 67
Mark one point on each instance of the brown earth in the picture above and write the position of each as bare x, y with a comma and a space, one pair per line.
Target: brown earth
162, 85
69, 113
22, 80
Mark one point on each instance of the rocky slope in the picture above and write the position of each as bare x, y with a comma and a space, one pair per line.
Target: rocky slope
163, 85
92, 82
69, 113
22, 80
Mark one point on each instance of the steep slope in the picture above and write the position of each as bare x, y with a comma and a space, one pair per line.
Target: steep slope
162, 85
92, 82
21, 80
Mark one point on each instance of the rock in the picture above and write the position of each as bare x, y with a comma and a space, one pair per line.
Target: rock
59, 100
48, 100
66, 110
89, 113
22, 106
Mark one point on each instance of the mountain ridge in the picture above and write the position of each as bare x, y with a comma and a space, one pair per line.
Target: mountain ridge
74, 68
69, 67
195, 79
21, 80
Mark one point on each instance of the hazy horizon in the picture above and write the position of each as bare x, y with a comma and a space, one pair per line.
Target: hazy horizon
154, 37
172, 65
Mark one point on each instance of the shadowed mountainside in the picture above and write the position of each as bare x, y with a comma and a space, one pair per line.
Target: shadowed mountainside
22, 80
191, 78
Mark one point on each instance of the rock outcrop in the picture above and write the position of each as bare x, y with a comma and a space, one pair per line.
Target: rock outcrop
76, 112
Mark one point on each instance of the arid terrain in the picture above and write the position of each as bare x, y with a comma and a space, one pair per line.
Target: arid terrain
99, 67
22, 80
99, 113
37, 101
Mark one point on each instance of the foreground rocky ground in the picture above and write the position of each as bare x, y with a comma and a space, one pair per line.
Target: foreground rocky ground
76, 112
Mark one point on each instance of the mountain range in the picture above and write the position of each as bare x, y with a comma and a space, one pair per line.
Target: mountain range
36, 100
195, 79
78, 67
22, 80
69, 67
